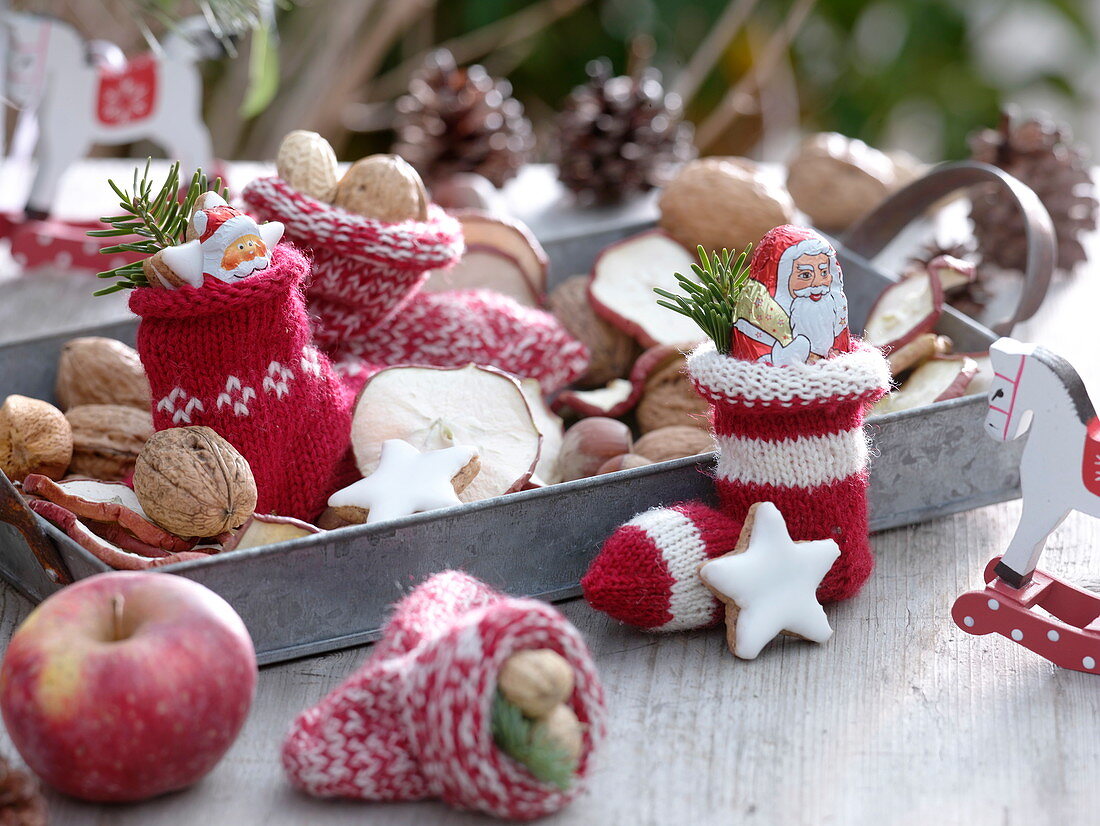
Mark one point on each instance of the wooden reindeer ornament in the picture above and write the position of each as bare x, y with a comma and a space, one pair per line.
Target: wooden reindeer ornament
85, 93
1039, 392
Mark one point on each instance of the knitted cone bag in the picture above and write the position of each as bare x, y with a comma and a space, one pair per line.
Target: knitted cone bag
364, 270
793, 435
237, 357
414, 721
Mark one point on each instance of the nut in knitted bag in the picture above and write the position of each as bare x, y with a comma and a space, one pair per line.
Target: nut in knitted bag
237, 357
789, 433
414, 721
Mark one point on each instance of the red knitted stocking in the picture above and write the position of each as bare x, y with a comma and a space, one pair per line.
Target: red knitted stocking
791, 435
237, 357
413, 722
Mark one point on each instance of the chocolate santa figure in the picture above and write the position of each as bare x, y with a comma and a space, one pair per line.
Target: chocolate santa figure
224, 243
793, 309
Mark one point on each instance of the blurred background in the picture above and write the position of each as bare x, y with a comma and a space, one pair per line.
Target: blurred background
754, 75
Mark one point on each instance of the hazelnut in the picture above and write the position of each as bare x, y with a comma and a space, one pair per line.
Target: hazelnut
589, 443
35, 437
96, 370
192, 482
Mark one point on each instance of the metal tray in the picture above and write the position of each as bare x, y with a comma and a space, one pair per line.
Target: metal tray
334, 589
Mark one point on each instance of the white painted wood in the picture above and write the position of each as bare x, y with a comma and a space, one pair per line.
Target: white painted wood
901, 718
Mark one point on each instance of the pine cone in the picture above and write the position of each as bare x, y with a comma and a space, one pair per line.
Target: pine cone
1040, 153
621, 135
461, 120
21, 802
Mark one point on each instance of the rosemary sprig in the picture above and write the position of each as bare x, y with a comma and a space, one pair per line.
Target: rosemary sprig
518, 738
711, 297
151, 221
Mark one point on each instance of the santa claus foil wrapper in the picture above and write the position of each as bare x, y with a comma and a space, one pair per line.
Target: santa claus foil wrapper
787, 410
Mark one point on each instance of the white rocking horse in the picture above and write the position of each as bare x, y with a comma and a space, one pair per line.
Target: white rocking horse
1037, 392
85, 93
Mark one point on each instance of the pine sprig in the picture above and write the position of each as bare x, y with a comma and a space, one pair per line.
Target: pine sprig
711, 297
151, 220
517, 737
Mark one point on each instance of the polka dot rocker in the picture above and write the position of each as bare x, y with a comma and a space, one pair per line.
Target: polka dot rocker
414, 721
792, 435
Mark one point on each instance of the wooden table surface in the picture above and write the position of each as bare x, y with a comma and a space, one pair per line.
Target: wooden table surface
900, 719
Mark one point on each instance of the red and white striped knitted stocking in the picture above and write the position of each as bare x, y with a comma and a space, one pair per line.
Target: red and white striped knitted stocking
414, 721
236, 357
367, 308
791, 435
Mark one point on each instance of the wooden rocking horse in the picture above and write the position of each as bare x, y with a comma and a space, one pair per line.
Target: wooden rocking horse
87, 93
1038, 392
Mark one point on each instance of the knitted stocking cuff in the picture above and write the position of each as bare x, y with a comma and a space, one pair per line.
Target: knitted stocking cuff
237, 357
362, 268
453, 328
415, 722
793, 435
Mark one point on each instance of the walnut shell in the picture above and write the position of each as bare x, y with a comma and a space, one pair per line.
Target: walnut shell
670, 399
383, 187
611, 351
722, 203
107, 439
626, 461
35, 437
837, 180
307, 162
96, 370
536, 681
192, 482
673, 443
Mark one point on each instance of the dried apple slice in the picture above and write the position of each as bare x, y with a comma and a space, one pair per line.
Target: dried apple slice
936, 380
983, 379
267, 529
918, 351
437, 407
623, 279
954, 273
552, 430
510, 237
101, 548
107, 502
905, 310
615, 399
485, 267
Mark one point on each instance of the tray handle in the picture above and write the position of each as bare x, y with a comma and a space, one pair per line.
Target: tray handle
870, 235
15, 512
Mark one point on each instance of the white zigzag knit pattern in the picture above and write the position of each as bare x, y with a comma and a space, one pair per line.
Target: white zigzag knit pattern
683, 551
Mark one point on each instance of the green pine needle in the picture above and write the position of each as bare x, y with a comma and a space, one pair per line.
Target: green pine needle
517, 737
711, 297
150, 221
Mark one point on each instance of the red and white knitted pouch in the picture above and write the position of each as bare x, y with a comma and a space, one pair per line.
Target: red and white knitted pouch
236, 357
367, 308
792, 435
414, 721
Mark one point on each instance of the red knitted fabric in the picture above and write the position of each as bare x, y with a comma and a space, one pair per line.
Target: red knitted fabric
362, 268
367, 308
414, 721
646, 574
237, 357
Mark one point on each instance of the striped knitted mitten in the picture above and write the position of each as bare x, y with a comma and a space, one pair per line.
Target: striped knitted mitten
368, 310
414, 721
236, 357
792, 435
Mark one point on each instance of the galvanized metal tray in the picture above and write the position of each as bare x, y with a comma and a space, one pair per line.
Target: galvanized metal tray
334, 589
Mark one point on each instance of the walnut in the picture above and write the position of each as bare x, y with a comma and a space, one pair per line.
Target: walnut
192, 482
307, 162
96, 370
670, 399
674, 443
35, 437
611, 351
536, 680
107, 439
383, 187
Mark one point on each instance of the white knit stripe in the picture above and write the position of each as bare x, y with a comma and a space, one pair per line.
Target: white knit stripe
682, 548
848, 375
802, 462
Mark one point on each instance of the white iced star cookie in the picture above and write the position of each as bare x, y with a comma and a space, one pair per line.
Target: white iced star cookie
407, 481
768, 583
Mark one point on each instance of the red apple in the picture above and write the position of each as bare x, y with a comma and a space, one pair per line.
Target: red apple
127, 685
